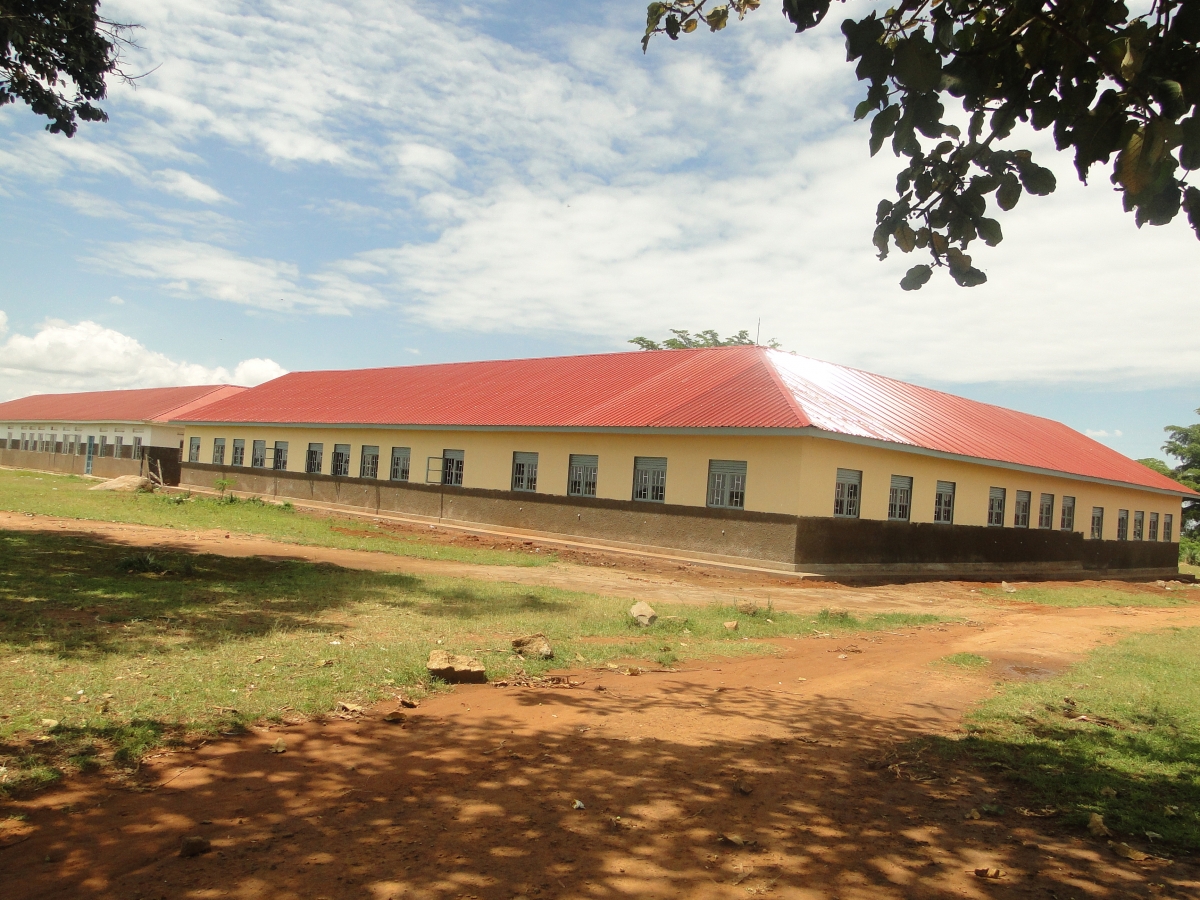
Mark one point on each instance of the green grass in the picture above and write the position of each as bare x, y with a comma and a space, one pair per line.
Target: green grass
1134, 759
68, 496
1072, 597
970, 661
127, 650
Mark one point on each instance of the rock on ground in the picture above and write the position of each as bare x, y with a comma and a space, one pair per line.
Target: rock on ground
130, 484
644, 613
456, 669
534, 645
747, 607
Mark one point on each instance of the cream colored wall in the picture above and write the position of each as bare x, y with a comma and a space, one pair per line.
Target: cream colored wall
785, 474
821, 458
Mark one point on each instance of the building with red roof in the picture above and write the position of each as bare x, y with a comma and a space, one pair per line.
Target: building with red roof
731, 453
71, 432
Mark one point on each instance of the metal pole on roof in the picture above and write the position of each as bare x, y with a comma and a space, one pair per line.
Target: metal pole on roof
757, 331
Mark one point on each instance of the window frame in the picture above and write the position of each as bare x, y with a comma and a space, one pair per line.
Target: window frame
1152, 534
1168, 527
368, 462
218, 451
339, 461
900, 490
583, 470
193, 449
454, 463
939, 507
403, 456
239, 452
1096, 532
524, 472
847, 494
1046, 511
727, 483
1066, 522
997, 496
650, 479
258, 455
1122, 524
1022, 507
1139, 525
314, 458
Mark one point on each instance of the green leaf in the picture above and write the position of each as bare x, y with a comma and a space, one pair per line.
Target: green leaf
906, 238
918, 66
1038, 180
1191, 205
883, 125
689, 26
717, 18
989, 230
1009, 192
1189, 153
654, 14
915, 277
863, 110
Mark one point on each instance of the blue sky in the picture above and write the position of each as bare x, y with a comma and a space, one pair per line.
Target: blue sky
318, 185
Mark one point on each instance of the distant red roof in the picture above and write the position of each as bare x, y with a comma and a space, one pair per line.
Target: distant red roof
726, 387
142, 405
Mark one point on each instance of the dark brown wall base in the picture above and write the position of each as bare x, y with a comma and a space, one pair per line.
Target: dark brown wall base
845, 548
102, 466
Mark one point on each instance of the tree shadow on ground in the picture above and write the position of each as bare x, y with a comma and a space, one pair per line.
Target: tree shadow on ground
813, 800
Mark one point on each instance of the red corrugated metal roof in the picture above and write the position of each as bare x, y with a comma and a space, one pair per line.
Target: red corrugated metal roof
727, 387
139, 405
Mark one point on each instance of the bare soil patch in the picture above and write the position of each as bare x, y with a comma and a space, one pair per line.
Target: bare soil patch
784, 776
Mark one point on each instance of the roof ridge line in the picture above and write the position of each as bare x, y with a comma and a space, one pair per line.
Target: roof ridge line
801, 413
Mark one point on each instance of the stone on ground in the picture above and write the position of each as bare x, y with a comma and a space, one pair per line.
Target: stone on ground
126, 484
644, 613
534, 645
747, 607
456, 669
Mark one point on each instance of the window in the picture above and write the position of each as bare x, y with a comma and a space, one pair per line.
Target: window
401, 457
1168, 520
1097, 522
193, 448
452, 467
1021, 513
524, 471
239, 452
1067, 522
218, 451
650, 478
313, 459
1122, 524
1153, 526
137, 446
279, 457
996, 507
1139, 522
104, 446
368, 462
340, 463
846, 493
53, 443
581, 475
943, 502
900, 498
727, 483
1046, 511
41, 442
258, 454
118, 452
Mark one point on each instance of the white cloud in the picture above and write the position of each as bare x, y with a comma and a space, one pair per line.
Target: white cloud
1102, 433
181, 184
200, 270
61, 356
116, 300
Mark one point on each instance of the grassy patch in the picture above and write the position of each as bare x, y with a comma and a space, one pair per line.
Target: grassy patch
1118, 735
1071, 597
104, 653
970, 661
68, 496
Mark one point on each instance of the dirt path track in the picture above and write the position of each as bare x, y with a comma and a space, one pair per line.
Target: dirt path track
790, 758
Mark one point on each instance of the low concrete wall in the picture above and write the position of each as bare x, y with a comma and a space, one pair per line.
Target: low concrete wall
846, 548
102, 466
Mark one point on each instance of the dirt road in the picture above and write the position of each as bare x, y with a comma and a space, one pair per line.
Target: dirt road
774, 776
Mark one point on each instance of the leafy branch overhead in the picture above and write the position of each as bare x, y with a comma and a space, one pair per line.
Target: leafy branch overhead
1112, 88
685, 340
55, 55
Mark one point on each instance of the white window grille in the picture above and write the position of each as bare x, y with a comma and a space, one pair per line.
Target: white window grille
368, 462
1097, 531
1021, 512
847, 491
727, 483
996, 507
193, 448
314, 459
239, 452
218, 456
258, 455
581, 475
650, 478
1122, 524
524, 471
339, 464
401, 459
279, 460
943, 503
1139, 524
900, 498
452, 467
1067, 520
1046, 511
